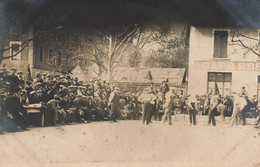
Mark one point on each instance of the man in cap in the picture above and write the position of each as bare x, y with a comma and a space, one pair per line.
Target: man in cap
114, 103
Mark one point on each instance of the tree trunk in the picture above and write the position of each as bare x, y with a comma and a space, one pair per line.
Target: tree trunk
110, 56
109, 72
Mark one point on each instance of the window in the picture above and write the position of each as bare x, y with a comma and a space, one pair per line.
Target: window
220, 82
15, 47
220, 44
59, 58
41, 54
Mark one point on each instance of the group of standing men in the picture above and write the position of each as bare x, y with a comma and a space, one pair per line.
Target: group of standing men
65, 99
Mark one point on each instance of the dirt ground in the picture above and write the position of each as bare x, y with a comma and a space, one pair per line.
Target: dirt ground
130, 143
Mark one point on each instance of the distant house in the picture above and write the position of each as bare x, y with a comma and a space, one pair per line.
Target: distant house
134, 79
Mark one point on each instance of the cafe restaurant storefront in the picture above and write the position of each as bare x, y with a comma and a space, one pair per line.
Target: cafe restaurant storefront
227, 76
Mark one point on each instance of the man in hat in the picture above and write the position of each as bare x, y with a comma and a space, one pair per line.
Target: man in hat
114, 103
38, 78
21, 79
213, 103
164, 88
56, 78
73, 89
168, 105
52, 111
238, 105
79, 105
159, 106
222, 109
14, 81
23, 97
192, 109
44, 77
15, 108
147, 99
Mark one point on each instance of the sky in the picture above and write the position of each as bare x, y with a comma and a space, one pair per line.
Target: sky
84, 13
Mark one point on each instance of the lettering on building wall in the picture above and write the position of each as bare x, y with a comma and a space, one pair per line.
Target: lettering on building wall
231, 66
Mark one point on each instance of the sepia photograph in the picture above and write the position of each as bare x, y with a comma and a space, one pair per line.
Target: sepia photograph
129, 83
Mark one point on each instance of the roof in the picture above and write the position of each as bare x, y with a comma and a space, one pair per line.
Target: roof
134, 75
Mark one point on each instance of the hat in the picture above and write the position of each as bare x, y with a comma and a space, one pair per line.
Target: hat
57, 75
72, 94
49, 75
23, 91
62, 76
20, 72
39, 90
13, 68
37, 74
117, 88
38, 84
78, 95
44, 74
32, 92
56, 96
72, 87
160, 93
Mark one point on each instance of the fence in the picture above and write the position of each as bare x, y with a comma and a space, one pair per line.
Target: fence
138, 87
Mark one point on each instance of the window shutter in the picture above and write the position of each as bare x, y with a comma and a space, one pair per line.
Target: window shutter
223, 44
220, 44
216, 45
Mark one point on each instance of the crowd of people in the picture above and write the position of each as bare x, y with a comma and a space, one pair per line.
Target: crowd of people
64, 100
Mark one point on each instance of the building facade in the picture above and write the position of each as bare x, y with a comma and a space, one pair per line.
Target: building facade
48, 52
224, 59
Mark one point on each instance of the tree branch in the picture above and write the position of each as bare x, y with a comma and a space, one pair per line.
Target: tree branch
95, 46
23, 47
25, 42
130, 36
242, 44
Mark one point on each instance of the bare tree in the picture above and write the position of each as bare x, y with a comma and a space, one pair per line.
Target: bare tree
144, 37
173, 50
251, 44
108, 53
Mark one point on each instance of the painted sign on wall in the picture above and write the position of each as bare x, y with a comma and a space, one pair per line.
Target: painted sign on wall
227, 65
